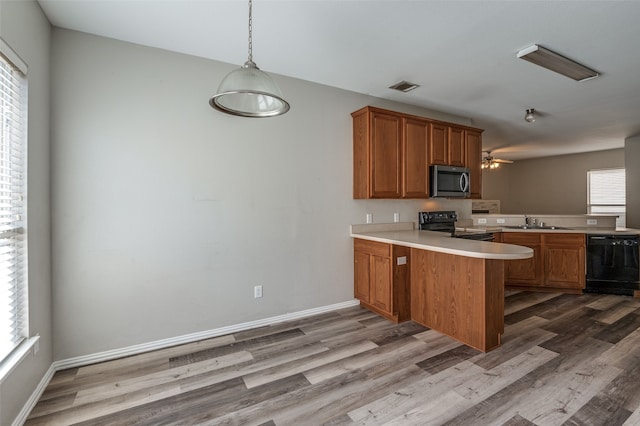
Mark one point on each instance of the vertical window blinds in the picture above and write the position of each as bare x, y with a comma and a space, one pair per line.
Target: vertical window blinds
13, 255
607, 193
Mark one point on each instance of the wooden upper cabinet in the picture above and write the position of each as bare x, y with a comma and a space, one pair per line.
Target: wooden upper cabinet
376, 154
473, 158
415, 163
456, 150
392, 152
439, 144
385, 155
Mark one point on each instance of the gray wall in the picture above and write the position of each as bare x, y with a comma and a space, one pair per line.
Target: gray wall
25, 28
166, 213
551, 185
632, 169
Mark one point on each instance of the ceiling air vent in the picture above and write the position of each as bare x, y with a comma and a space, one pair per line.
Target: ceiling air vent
404, 86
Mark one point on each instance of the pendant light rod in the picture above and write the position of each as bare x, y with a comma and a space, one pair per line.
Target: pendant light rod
250, 57
248, 91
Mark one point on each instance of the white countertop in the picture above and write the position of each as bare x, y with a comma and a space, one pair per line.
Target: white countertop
436, 241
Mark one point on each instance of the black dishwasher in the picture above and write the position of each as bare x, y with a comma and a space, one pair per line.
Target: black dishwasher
613, 264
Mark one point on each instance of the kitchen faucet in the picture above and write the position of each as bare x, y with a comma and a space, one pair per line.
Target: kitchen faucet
530, 221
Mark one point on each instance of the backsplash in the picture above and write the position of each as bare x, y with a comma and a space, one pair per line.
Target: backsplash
485, 206
569, 221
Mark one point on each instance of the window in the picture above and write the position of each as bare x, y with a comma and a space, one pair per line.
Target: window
13, 152
607, 193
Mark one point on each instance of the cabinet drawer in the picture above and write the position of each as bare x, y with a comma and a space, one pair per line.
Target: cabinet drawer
372, 247
521, 238
564, 239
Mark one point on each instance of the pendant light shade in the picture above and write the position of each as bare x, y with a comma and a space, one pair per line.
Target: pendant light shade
249, 92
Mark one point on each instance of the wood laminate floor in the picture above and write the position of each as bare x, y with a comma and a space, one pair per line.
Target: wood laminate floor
564, 360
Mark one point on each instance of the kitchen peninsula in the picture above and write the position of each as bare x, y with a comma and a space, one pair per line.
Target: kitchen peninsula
451, 285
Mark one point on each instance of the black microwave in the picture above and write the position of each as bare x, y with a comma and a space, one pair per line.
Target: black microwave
449, 181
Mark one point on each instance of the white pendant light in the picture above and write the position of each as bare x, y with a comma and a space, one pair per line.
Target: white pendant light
248, 91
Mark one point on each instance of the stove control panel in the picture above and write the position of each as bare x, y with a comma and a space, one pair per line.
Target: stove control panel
437, 217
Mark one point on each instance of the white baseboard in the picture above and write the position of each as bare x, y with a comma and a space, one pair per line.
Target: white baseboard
35, 396
81, 361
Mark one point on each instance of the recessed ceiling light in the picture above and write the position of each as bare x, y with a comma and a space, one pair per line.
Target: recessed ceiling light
553, 61
404, 86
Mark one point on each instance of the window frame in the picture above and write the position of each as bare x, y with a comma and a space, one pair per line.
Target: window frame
15, 228
621, 220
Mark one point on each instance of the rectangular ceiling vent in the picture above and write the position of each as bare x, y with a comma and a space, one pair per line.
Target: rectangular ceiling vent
404, 86
553, 61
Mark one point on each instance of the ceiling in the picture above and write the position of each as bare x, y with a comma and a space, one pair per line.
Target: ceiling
462, 53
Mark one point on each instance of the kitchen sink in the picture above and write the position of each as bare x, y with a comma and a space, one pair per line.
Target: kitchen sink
534, 227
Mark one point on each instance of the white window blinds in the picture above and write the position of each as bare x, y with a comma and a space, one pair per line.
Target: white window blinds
607, 193
13, 255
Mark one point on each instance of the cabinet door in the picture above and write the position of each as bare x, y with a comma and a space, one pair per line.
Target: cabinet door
474, 162
415, 180
361, 276
385, 156
373, 274
524, 271
456, 147
564, 260
438, 144
381, 273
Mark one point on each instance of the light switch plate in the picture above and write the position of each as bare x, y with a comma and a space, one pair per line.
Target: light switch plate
482, 221
500, 220
592, 221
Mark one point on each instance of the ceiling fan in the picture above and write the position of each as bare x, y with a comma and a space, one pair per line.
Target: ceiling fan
489, 162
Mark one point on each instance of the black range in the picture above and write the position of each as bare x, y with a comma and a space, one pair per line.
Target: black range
445, 221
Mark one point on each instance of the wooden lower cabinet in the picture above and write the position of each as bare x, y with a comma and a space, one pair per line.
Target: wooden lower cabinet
558, 262
529, 272
460, 296
380, 283
564, 260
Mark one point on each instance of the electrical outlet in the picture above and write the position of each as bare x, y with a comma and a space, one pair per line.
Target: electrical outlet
396, 217
36, 347
592, 221
500, 221
257, 292
482, 221
369, 218
402, 260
